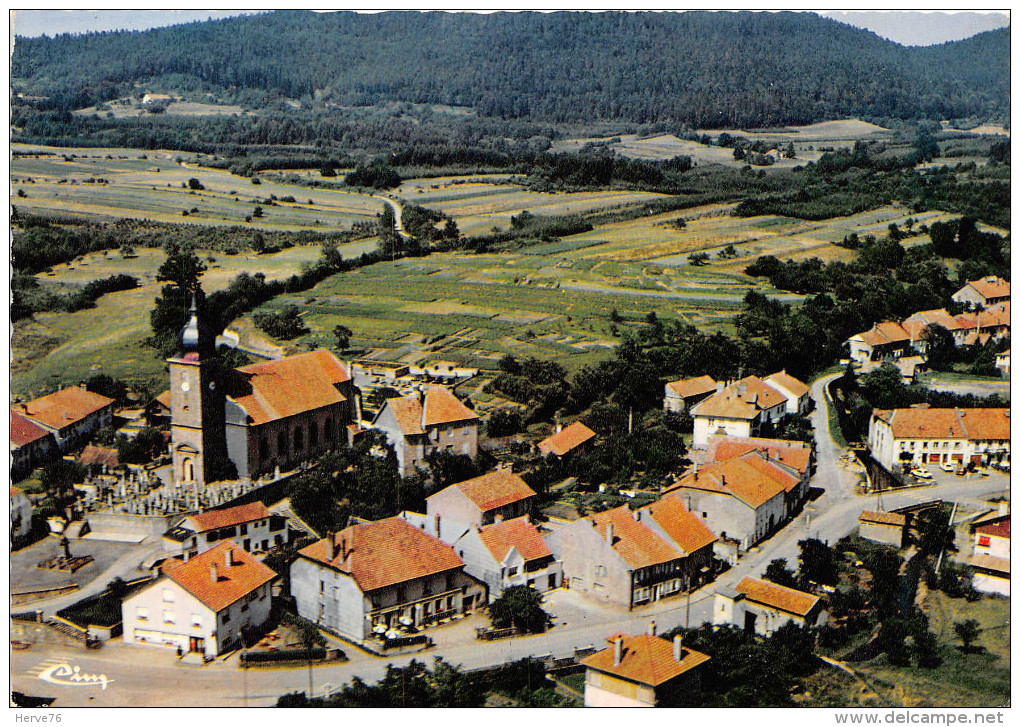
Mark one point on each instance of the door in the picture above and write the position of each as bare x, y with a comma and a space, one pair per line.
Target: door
196, 645
749, 621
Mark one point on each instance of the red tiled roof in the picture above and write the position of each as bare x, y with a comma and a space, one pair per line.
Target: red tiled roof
24, 431
164, 399
277, 389
494, 489
383, 553
686, 529
931, 423
686, 388
646, 659
884, 333
637, 544
795, 386
99, 455
749, 478
567, 439
64, 407
883, 518
999, 529
518, 533
234, 581
440, 407
922, 319
777, 596
740, 400
792, 454
992, 287
212, 519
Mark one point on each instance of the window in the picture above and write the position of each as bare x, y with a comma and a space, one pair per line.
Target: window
299, 439
263, 448
640, 594
984, 540
196, 621
168, 595
513, 571
313, 434
142, 613
281, 443
169, 617
322, 587
552, 580
329, 428
244, 529
226, 617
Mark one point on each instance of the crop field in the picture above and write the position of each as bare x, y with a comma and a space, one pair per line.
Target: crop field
473, 309
480, 203
127, 108
654, 148
842, 130
154, 186
64, 348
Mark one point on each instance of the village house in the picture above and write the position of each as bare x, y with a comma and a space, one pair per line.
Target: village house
572, 439
31, 446
888, 528
917, 323
263, 417
21, 516
738, 410
509, 553
642, 671
796, 458
1002, 363
762, 607
493, 497
921, 435
374, 577
886, 340
71, 415
683, 394
635, 557
991, 556
203, 604
797, 393
431, 420
983, 291
251, 527
743, 500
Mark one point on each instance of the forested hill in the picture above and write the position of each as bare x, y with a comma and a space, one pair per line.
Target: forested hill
700, 68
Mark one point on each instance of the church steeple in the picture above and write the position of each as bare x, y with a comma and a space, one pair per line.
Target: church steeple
195, 337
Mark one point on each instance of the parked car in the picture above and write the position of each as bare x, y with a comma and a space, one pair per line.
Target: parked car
947, 467
960, 470
921, 474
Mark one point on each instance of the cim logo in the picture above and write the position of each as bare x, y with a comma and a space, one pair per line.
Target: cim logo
72, 676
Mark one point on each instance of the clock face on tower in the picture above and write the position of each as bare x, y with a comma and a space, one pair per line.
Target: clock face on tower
185, 387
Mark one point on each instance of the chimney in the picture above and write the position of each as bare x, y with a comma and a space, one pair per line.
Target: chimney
214, 576
343, 548
83, 386
187, 554
651, 629
228, 557
636, 514
559, 427
678, 647
617, 651
497, 518
609, 533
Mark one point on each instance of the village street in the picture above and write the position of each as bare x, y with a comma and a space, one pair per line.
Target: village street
152, 677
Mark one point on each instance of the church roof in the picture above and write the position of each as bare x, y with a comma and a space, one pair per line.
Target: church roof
293, 385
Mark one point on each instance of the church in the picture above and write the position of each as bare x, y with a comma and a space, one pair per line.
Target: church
254, 419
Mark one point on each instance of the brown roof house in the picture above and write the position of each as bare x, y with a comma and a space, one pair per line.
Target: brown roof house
634, 557
983, 291
371, 579
762, 607
738, 410
203, 604
885, 340
920, 435
71, 415
795, 458
889, 528
642, 671
572, 439
31, 445
493, 497
685, 393
251, 527
429, 421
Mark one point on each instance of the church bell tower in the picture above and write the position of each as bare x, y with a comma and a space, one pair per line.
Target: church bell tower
196, 406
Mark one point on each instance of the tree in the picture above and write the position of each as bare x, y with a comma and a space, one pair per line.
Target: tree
934, 531
940, 348
342, 334
195, 184
698, 258
817, 564
519, 607
777, 572
257, 212
58, 480
181, 271
285, 324
968, 632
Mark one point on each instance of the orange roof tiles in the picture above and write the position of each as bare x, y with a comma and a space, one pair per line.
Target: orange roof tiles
164, 399
384, 553
646, 659
64, 407
742, 399
99, 455
795, 386
24, 431
277, 389
883, 518
637, 544
884, 334
233, 581
683, 527
494, 489
566, 440
990, 287
686, 388
777, 596
212, 519
796, 455
437, 406
518, 533
749, 478
931, 423
999, 529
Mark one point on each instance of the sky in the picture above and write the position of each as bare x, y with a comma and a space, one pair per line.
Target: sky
905, 27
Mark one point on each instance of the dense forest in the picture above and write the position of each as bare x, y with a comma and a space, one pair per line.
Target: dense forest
700, 68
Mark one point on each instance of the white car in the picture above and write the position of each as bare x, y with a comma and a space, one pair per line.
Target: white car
921, 474
947, 467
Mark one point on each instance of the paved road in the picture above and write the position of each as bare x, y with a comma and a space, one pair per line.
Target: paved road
151, 677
